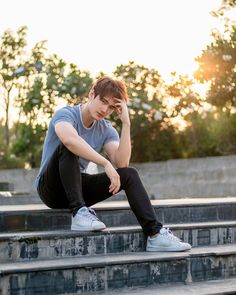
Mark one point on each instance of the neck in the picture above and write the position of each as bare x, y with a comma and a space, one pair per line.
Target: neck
86, 117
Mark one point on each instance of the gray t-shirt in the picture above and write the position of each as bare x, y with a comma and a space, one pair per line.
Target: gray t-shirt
100, 133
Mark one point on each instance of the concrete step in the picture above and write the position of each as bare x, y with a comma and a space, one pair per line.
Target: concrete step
25, 246
191, 176
7, 198
193, 190
6, 186
214, 287
38, 217
109, 272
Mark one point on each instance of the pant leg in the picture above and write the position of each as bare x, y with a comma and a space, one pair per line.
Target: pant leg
60, 185
96, 189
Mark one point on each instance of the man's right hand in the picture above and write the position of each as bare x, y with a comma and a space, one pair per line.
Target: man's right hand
114, 178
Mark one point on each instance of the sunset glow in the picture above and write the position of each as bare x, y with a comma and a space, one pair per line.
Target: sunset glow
99, 35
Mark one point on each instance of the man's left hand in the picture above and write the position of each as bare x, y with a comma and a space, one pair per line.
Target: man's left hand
122, 111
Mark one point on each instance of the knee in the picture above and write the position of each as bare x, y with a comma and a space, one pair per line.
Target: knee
63, 150
128, 173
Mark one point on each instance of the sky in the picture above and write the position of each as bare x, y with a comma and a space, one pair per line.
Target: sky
99, 35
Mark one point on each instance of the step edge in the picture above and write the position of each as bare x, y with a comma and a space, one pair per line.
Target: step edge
67, 233
114, 205
113, 259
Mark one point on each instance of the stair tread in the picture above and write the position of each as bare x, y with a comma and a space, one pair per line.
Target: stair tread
124, 204
216, 287
113, 259
108, 230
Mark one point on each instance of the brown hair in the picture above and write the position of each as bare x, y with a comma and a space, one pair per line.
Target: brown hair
108, 87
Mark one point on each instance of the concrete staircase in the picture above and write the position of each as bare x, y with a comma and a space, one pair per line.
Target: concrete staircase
40, 255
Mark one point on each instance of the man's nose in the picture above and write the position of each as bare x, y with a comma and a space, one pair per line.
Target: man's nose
105, 108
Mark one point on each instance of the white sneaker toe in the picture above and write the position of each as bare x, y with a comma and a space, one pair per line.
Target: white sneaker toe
86, 220
165, 241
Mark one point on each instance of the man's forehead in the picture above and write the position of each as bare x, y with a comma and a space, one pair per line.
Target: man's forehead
111, 100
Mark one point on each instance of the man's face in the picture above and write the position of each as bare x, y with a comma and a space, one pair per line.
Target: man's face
105, 106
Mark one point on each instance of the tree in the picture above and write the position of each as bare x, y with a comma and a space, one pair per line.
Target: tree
151, 132
185, 99
34, 83
11, 51
217, 63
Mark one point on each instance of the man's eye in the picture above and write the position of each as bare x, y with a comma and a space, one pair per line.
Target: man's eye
104, 101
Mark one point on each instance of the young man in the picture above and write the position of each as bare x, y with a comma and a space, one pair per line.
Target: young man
76, 135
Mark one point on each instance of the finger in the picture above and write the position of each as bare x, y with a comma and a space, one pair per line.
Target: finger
114, 188
118, 109
117, 187
117, 99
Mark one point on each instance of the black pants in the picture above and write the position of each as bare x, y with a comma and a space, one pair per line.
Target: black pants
62, 185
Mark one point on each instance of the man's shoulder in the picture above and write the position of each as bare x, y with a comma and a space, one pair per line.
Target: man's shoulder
71, 109
66, 111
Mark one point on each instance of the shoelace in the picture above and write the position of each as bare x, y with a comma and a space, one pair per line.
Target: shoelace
92, 214
170, 235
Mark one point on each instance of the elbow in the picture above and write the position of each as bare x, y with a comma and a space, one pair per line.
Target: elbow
68, 142
122, 164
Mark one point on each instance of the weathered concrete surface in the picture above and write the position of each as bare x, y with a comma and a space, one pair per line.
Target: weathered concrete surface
6, 186
39, 217
58, 244
214, 287
201, 177
97, 273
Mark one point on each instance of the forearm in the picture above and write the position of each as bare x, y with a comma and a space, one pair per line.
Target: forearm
123, 153
81, 148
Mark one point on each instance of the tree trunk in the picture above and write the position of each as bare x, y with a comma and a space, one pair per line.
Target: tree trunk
6, 126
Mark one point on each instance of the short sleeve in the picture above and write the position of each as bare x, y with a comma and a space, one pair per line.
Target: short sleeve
111, 135
63, 115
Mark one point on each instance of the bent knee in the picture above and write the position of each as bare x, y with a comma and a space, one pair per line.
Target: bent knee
64, 150
128, 172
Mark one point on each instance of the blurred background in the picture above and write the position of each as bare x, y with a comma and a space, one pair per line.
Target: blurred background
178, 59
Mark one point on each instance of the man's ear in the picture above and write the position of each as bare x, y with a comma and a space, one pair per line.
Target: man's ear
91, 94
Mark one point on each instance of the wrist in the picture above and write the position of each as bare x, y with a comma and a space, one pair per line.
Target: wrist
126, 123
105, 162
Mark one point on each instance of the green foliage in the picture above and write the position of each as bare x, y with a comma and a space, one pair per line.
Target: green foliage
32, 82
213, 135
184, 99
10, 161
146, 108
29, 143
154, 136
75, 85
156, 143
217, 63
11, 48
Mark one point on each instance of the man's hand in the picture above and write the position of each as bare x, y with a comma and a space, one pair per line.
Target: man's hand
114, 178
122, 111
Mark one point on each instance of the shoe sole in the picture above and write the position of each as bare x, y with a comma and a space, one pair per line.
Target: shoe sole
164, 249
87, 228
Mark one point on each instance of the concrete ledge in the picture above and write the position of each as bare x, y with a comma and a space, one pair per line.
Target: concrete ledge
39, 217
109, 272
200, 177
25, 246
214, 287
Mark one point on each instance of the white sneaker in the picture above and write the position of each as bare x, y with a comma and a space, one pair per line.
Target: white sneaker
166, 241
86, 220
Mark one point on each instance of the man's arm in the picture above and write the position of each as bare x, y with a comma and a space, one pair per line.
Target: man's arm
120, 153
74, 143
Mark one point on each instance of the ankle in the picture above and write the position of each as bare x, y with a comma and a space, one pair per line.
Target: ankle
75, 210
153, 236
